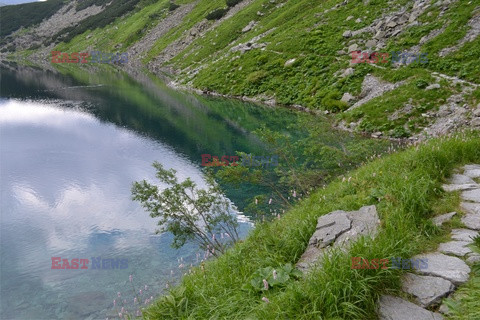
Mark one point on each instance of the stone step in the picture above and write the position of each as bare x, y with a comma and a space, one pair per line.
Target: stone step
471, 195
427, 290
464, 235
458, 248
394, 308
447, 267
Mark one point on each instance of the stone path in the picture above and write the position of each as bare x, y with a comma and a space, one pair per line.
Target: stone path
446, 268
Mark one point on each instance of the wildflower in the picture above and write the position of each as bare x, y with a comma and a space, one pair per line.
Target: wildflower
118, 294
256, 201
135, 300
166, 285
114, 302
278, 216
139, 314
120, 314
265, 284
151, 298
264, 299
274, 274
146, 287
130, 278
294, 193
123, 310
270, 201
181, 266
140, 291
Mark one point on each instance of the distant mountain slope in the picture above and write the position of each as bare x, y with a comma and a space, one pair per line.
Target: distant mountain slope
25, 15
298, 52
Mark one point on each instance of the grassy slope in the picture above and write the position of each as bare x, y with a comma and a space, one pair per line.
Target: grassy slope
406, 189
302, 30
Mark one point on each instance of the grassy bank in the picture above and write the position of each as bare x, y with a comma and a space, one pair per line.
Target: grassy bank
406, 189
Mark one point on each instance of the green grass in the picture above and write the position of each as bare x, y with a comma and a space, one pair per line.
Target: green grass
406, 189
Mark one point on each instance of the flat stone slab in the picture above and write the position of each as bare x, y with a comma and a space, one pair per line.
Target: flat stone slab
337, 228
461, 179
466, 235
472, 208
471, 195
364, 222
473, 258
472, 173
329, 227
394, 308
471, 167
458, 248
447, 267
460, 187
426, 289
439, 220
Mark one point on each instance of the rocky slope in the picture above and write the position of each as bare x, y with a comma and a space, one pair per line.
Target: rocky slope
298, 53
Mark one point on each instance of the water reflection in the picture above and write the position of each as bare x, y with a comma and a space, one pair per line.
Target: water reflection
65, 181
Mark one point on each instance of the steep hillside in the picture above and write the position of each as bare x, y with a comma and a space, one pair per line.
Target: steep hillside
297, 53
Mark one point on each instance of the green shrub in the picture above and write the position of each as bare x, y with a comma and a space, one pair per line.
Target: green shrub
421, 84
172, 6
216, 14
232, 3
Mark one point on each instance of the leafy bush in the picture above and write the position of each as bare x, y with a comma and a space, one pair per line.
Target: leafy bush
189, 213
232, 3
421, 84
172, 6
400, 132
216, 14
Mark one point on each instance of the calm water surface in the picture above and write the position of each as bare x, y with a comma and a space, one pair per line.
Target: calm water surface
70, 148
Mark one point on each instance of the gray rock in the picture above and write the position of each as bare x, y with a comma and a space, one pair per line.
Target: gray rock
329, 227
249, 26
471, 221
347, 97
290, 62
447, 267
461, 179
347, 34
394, 308
471, 195
426, 289
472, 173
460, 187
473, 258
358, 20
364, 222
466, 235
337, 228
444, 309
438, 221
371, 43
458, 248
471, 208
391, 24
353, 47
349, 18
347, 72
433, 86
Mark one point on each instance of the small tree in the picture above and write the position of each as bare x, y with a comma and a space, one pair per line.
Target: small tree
189, 213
